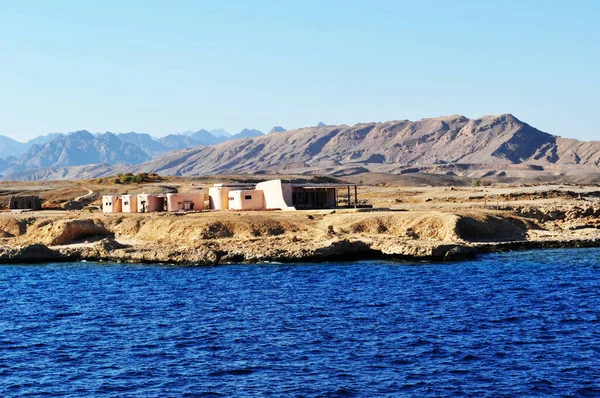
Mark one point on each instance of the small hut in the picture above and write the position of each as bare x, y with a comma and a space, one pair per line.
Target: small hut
130, 203
29, 202
148, 203
112, 204
185, 201
251, 199
218, 195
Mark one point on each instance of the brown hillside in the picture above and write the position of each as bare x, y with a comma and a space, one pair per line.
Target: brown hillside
502, 140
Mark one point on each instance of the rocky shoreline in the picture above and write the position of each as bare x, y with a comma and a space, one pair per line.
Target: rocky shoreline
219, 238
109, 249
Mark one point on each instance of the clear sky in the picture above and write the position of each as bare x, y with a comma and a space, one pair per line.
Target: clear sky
161, 67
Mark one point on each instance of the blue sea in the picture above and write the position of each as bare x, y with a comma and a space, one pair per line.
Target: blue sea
514, 325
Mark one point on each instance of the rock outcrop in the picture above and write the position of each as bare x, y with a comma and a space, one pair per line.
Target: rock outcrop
62, 232
34, 253
207, 239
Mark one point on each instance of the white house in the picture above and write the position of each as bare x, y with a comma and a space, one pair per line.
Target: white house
112, 204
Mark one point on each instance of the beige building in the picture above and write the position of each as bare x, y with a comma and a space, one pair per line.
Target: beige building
129, 203
218, 195
185, 201
112, 204
277, 195
293, 196
148, 203
247, 199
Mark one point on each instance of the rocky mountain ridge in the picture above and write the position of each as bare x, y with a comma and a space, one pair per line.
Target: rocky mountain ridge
501, 140
389, 147
45, 155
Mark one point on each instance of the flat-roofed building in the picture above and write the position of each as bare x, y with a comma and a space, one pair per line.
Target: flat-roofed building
279, 195
25, 202
185, 201
246, 199
218, 195
296, 196
129, 203
112, 204
148, 203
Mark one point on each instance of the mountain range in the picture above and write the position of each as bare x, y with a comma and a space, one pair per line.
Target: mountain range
14, 148
390, 147
500, 140
152, 146
79, 148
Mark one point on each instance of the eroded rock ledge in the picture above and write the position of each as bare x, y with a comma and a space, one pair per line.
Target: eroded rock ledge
215, 238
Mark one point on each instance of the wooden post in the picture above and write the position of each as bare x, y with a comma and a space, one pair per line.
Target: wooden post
335, 198
355, 197
349, 196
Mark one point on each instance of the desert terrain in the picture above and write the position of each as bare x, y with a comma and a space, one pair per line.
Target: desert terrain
414, 217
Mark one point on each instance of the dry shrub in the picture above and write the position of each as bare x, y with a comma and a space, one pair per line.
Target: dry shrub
358, 228
217, 230
382, 229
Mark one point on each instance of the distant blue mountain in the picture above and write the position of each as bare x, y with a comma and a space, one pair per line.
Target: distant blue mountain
42, 139
178, 141
145, 142
206, 138
277, 129
10, 147
247, 133
215, 133
220, 133
82, 148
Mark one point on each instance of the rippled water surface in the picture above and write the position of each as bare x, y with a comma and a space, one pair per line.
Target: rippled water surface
517, 324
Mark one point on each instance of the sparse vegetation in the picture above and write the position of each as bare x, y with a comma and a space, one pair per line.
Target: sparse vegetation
130, 178
480, 183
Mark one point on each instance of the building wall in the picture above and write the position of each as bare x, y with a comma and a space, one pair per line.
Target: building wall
331, 197
246, 199
129, 203
177, 201
218, 197
112, 204
30, 202
277, 195
148, 203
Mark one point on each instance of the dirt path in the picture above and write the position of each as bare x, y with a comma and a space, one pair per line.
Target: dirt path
89, 195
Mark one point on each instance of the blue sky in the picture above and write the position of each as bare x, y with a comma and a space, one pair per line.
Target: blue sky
167, 66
